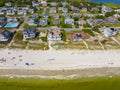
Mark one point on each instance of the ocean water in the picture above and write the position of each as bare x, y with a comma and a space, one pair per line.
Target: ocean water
107, 1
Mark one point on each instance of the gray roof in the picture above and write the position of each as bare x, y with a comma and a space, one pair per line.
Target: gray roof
5, 33
3, 18
81, 22
52, 9
111, 20
84, 9
94, 9
67, 15
106, 9
43, 22
75, 9
29, 31
92, 22
2, 24
64, 3
110, 32
9, 4
46, 15
56, 21
53, 3
78, 15
56, 16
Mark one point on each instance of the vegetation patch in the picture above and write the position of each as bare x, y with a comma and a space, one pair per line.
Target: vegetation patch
94, 83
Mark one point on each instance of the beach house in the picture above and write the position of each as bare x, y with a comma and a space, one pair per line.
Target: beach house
54, 34
2, 12
75, 9
94, 22
106, 9
29, 33
69, 21
81, 23
46, 16
31, 11
111, 20
10, 12
56, 22
9, 4
108, 32
5, 35
32, 22
65, 10
53, 4
77, 36
67, 16
43, 2
84, 10
52, 10
22, 12
43, 22
76, 15
94, 9
35, 3
64, 3
2, 24
2, 18
56, 16
13, 19
117, 10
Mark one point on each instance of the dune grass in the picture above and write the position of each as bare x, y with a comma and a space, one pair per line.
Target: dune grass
94, 83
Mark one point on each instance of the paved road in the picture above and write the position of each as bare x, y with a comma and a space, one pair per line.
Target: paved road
44, 10
66, 29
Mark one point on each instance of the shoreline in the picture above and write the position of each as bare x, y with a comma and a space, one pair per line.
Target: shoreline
61, 74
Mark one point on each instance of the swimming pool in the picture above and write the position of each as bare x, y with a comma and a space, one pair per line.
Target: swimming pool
11, 24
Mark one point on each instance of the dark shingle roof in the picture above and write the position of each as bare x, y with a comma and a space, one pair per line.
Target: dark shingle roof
5, 33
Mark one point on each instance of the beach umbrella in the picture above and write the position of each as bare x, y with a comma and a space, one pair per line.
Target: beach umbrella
26, 63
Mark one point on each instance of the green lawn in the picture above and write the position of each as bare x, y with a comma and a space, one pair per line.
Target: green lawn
96, 83
70, 45
18, 41
112, 5
39, 11
35, 46
89, 31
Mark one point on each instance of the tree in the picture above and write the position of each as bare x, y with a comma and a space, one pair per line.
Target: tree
107, 14
76, 18
95, 28
85, 17
68, 26
76, 25
119, 19
75, 3
2, 3
26, 25
87, 25
63, 35
44, 38
99, 17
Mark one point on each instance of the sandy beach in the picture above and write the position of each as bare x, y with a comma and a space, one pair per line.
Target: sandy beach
61, 60
58, 60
